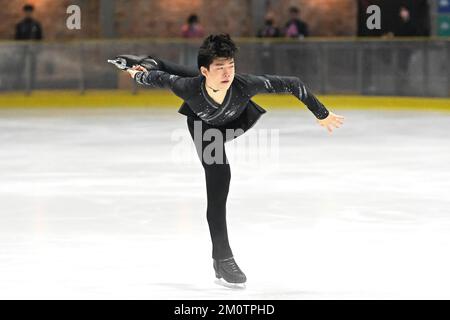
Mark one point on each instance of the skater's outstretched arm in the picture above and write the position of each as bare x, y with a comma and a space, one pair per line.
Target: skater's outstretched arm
126, 61
157, 78
296, 87
176, 69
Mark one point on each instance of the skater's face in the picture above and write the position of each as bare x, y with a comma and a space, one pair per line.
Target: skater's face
220, 74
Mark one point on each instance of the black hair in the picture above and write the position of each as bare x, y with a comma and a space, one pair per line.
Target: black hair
193, 18
28, 8
215, 46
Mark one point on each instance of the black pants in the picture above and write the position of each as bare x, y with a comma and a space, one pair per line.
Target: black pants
218, 177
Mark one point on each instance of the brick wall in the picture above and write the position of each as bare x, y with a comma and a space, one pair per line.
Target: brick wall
324, 17
151, 18
52, 16
157, 18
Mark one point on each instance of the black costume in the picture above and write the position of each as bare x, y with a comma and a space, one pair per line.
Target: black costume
236, 112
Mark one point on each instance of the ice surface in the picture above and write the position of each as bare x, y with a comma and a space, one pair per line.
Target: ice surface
93, 205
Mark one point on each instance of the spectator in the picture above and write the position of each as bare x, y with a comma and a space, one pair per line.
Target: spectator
405, 27
295, 28
269, 30
423, 18
28, 28
192, 29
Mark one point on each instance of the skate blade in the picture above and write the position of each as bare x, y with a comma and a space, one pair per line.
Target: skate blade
238, 286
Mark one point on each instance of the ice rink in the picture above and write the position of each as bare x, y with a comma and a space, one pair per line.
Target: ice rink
99, 204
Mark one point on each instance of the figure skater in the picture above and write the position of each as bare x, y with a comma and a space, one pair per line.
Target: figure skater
218, 106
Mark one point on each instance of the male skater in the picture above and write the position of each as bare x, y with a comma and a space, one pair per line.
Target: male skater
218, 99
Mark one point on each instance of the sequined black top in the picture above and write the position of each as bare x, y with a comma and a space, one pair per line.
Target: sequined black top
244, 87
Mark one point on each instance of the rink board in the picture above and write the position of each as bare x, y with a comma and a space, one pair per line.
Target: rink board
162, 98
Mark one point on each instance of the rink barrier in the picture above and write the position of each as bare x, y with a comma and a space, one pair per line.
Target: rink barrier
164, 99
361, 66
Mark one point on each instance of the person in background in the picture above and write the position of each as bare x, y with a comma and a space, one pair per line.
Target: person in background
269, 30
192, 29
28, 28
295, 28
405, 27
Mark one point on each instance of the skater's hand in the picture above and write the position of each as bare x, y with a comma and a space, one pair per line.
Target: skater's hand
333, 120
135, 69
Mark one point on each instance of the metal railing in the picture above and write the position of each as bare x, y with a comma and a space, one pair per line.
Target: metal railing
351, 66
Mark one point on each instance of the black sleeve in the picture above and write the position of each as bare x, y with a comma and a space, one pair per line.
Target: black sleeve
292, 85
182, 87
176, 69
